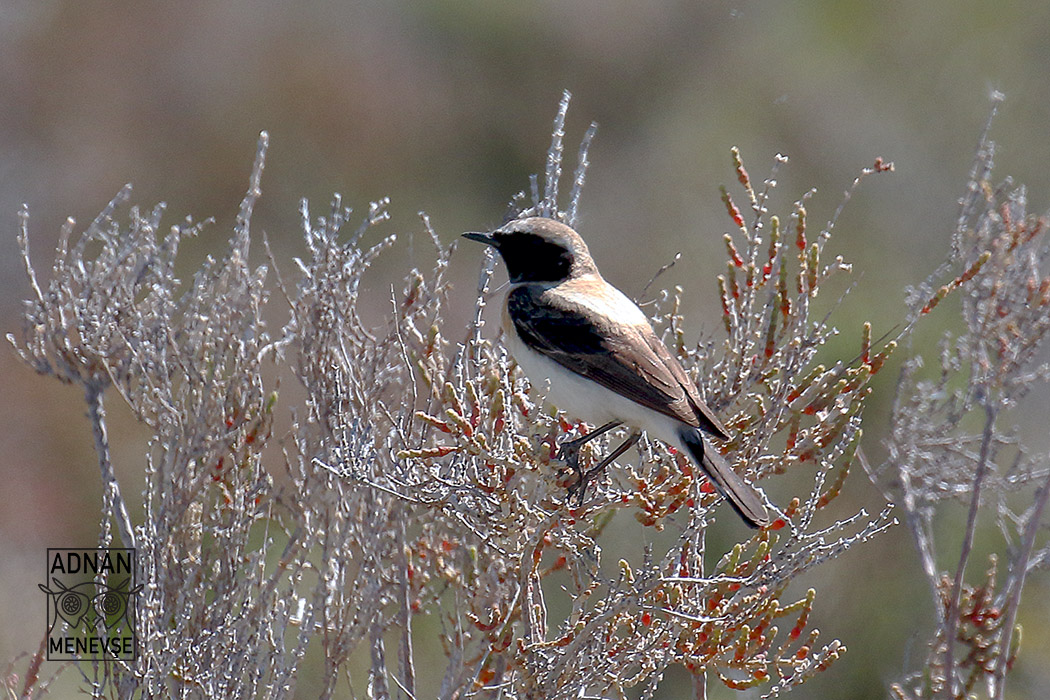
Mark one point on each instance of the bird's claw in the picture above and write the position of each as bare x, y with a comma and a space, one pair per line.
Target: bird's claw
577, 491
569, 452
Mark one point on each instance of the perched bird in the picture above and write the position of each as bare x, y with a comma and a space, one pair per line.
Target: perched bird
564, 323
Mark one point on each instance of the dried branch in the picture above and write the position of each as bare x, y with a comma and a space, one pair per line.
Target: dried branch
1000, 270
422, 503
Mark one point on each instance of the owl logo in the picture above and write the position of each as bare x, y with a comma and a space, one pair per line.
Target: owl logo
90, 604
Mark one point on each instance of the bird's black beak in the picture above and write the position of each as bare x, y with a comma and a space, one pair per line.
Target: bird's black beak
485, 238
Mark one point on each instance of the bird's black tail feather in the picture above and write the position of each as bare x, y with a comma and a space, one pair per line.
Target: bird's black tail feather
740, 494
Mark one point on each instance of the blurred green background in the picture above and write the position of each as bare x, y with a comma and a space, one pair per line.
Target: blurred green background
446, 107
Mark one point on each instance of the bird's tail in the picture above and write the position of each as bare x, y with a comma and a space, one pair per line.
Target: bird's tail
741, 495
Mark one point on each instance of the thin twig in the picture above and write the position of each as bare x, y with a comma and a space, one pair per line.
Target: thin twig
1021, 561
406, 653
951, 620
97, 411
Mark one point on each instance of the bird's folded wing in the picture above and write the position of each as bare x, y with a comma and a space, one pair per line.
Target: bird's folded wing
627, 358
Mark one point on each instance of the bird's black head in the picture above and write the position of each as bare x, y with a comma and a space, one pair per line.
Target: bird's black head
538, 249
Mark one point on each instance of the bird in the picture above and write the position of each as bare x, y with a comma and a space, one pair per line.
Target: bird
564, 324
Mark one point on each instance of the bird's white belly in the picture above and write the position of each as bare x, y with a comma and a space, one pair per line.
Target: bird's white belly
586, 399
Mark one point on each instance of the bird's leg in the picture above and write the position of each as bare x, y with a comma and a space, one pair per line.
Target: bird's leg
569, 451
580, 486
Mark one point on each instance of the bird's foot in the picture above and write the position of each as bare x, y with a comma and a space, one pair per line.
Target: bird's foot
578, 489
569, 452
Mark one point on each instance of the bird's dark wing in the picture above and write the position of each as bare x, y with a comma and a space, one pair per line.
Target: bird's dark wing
627, 358
705, 418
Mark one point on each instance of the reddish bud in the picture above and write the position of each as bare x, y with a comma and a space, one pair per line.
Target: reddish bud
731, 208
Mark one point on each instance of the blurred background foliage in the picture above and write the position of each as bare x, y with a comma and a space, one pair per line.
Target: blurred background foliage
446, 107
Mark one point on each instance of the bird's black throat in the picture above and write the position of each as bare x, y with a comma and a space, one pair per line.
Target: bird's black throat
532, 258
